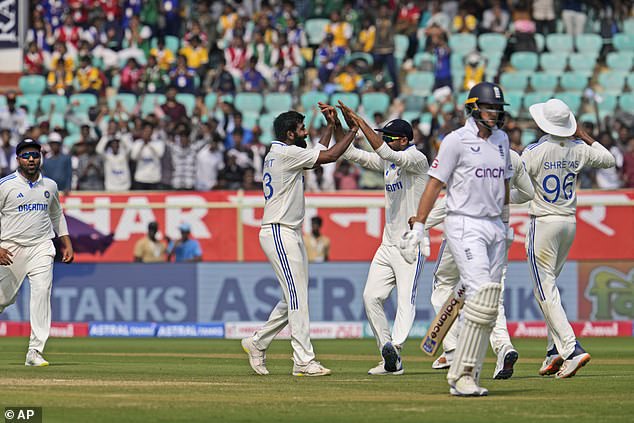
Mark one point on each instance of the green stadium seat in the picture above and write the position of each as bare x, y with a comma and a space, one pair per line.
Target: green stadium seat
608, 103
248, 102
265, 122
559, 43
582, 64
410, 115
32, 84
401, 44
612, 82
3, 101
71, 140
553, 63
620, 60
492, 42
56, 120
514, 98
529, 136
171, 43
540, 42
250, 119
626, 102
628, 26
128, 102
623, 42
423, 57
573, 81
456, 63
421, 83
359, 55
461, 97
310, 99
572, 99
462, 43
315, 30
457, 80
414, 103
210, 100
85, 102
60, 102
30, 101
349, 99
630, 81
514, 81
187, 100
536, 97
149, 103
278, 102
544, 82
375, 102
524, 61
493, 60
589, 44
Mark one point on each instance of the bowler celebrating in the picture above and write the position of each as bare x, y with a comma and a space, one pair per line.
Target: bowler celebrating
30, 217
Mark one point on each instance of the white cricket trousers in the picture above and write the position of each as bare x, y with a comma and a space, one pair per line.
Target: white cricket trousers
36, 263
446, 278
284, 247
387, 271
547, 245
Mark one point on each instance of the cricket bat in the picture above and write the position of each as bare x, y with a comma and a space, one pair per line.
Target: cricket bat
443, 321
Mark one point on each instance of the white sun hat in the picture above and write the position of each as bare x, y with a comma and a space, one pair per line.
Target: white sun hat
554, 117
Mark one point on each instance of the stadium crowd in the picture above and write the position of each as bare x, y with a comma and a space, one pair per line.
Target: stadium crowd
173, 94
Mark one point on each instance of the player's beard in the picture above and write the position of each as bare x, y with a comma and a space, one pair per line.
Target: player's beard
300, 142
30, 170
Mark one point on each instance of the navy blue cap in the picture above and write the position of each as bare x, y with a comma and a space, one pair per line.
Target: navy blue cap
399, 128
25, 144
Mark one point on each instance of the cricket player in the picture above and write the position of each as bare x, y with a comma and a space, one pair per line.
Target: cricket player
446, 278
405, 173
282, 241
475, 164
30, 217
553, 164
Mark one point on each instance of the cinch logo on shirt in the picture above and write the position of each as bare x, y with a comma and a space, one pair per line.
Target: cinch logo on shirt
487, 172
32, 207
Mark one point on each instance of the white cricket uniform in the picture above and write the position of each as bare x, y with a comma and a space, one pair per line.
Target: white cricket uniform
30, 216
446, 274
405, 175
282, 242
474, 170
553, 164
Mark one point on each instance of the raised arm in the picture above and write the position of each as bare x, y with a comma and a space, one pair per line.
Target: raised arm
597, 155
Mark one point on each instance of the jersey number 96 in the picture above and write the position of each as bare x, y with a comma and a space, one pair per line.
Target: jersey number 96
553, 186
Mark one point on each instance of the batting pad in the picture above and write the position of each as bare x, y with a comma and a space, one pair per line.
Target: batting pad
479, 314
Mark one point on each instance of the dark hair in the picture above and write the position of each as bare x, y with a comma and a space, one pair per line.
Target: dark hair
285, 122
238, 131
317, 220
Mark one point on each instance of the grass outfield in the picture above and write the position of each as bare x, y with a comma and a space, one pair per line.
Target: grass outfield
166, 380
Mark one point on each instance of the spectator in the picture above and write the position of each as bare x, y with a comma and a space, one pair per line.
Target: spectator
227, 19
131, 76
317, 244
60, 80
221, 82
524, 30
246, 133
164, 56
57, 165
282, 80
88, 77
340, 30
295, 34
347, 176
69, 33
628, 164
442, 53
610, 178
209, 162
7, 153
175, 111
14, 118
182, 77
33, 60
154, 79
384, 46
288, 53
196, 31
90, 169
170, 10
252, 79
61, 54
329, 58
242, 153
438, 17
515, 140
473, 71
196, 55
407, 24
184, 249
572, 13
147, 153
367, 36
464, 21
115, 154
496, 19
348, 80
236, 57
544, 16
261, 51
232, 174
249, 183
150, 249
183, 154
41, 33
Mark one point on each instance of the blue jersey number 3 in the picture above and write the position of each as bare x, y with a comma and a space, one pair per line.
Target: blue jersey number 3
268, 188
566, 189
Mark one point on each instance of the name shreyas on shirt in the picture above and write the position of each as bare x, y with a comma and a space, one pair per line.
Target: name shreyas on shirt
32, 207
561, 164
489, 172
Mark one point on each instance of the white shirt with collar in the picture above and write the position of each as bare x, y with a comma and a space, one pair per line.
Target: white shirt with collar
283, 183
30, 212
474, 170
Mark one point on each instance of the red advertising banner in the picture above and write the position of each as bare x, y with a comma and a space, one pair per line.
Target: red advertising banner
582, 329
352, 220
58, 329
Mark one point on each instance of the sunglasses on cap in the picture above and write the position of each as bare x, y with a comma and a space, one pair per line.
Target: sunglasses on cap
29, 154
390, 138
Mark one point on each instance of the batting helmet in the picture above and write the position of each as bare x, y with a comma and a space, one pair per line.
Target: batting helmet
485, 93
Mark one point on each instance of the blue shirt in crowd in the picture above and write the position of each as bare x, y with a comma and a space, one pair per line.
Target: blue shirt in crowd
185, 251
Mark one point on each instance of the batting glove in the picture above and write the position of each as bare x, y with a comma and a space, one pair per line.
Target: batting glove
414, 242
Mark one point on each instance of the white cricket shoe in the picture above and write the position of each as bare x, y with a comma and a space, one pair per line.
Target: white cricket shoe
466, 386
444, 361
379, 370
257, 358
570, 367
507, 356
551, 365
34, 359
391, 357
314, 368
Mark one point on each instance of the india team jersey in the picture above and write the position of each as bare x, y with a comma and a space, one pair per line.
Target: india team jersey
474, 170
283, 183
553, 164
30, 212
405, 175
